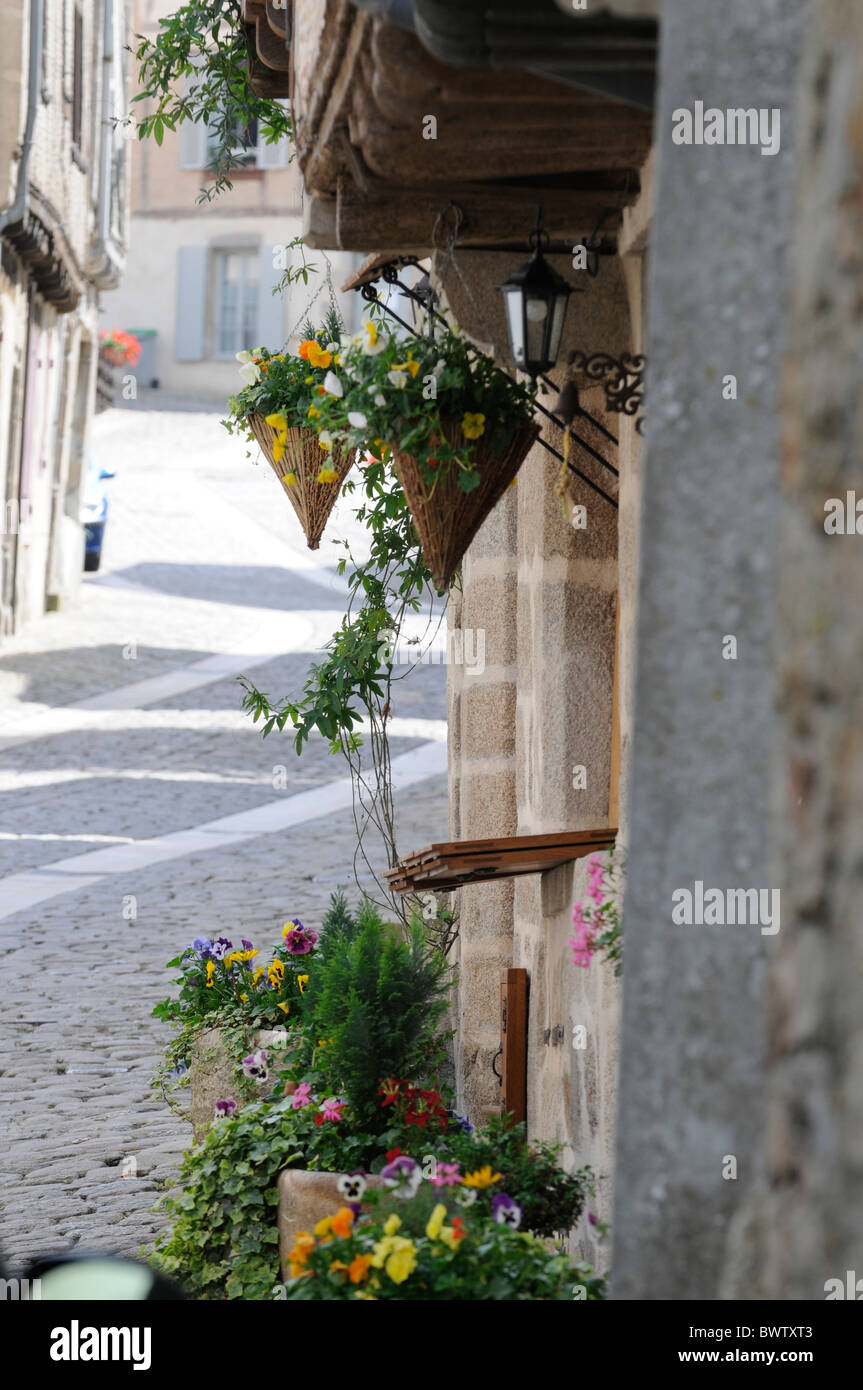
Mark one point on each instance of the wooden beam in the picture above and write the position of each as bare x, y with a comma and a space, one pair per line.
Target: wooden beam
494, 215
513, 1039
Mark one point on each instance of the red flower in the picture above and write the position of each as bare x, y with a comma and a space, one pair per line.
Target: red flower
319, 1119
394, 1153
458, 1229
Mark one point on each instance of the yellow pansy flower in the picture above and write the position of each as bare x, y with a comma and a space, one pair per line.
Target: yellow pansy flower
391, 1225
211, 970
411, 366
473, 424
285, 1008
483, 1177
399, 1260
434, 1225
280, 425
302, 981
328, 475
290, 478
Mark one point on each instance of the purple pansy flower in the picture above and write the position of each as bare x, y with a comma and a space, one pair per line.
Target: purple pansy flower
247, 945
220, 947
404, 1175
505, 1211
224, 1109
299, 940
255, 1065
201, 946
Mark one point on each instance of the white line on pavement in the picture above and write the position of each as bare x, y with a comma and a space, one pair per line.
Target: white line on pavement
19, 892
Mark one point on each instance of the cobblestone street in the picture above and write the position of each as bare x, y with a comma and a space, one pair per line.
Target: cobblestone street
141, 807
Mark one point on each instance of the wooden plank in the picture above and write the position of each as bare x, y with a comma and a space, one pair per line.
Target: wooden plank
513, 1037
462, 862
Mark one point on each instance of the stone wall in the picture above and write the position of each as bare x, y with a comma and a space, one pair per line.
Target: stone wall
693, 1038
545, 594
813, 1218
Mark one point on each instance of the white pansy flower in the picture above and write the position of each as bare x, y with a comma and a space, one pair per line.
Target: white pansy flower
357, 419
250, 373
333, 347
326, 439
398, 378
380, 398
332, 385
371, 340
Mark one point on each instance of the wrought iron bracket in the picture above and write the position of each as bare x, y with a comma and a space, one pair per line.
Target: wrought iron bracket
623, 378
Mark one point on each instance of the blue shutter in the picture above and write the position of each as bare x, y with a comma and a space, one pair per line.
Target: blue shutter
271, 307
191, 303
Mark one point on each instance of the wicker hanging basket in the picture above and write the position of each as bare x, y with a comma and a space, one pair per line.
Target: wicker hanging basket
312, 501
446, 518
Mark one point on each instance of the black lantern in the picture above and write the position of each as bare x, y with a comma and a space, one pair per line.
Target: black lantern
535, 298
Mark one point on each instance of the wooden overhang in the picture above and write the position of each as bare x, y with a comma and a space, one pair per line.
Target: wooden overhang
378, 176
452, 865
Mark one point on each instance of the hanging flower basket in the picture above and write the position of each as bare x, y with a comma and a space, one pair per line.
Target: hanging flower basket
278, 406
298, 470
447, 518
457, 429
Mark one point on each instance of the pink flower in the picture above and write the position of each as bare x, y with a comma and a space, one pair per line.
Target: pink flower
332, 1109
302, 1095
596, 875
582, 945
447, 1175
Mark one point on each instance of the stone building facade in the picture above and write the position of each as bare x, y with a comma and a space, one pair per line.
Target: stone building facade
696, 652
200, 275
63, 221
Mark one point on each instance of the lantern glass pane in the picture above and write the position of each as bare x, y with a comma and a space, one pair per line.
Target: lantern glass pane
558, 316
515, 323
536, 313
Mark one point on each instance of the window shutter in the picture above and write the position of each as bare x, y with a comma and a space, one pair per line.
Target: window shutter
191, 303
271, 307
274, 156
193, 145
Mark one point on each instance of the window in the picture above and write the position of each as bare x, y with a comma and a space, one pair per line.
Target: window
77, 83
244, 145
236, 301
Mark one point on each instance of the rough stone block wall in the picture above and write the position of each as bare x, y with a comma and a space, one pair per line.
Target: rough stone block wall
546, 596
693, 1036
483, 799
813, 1219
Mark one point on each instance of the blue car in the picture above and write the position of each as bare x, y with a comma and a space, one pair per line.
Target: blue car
94, 513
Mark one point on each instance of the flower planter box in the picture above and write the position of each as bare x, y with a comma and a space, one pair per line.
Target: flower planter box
303, 456
447, 518
305, 1198
213, 1074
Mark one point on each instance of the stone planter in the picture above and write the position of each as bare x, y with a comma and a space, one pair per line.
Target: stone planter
305, 1198
213, 1074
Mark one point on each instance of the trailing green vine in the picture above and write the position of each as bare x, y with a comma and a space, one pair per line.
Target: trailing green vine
198, 68
353, 685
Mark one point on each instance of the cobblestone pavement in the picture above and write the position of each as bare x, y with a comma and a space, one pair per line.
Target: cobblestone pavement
131, 780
